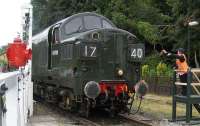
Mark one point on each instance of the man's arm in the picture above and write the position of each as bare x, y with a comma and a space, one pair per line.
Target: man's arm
171, 55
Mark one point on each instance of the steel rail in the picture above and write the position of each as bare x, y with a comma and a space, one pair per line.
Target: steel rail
77, 119
140, 122
86, 121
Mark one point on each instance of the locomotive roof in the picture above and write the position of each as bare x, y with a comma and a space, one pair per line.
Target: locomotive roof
43, 34
85, 14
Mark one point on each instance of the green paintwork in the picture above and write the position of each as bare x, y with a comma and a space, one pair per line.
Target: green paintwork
112, 52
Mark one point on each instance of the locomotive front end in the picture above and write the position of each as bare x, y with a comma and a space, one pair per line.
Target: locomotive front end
84, 61
110, 64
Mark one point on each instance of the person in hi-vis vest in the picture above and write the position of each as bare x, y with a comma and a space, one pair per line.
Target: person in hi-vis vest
182, 67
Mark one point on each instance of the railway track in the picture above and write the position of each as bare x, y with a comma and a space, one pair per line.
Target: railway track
55, 114
77, 120
87, 122
123, 119
136, 120
103, 119
98, 118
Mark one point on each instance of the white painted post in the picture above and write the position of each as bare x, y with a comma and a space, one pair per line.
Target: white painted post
28, 85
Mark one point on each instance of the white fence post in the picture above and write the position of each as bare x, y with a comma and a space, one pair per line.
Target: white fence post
17, 99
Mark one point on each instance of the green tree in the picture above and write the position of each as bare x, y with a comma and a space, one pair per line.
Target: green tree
136, 16
183, 12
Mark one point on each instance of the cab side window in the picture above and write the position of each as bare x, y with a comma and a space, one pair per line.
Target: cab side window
56, 37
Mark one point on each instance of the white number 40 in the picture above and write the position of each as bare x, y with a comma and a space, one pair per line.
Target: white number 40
137, 53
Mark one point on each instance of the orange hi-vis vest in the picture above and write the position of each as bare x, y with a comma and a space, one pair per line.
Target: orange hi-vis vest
182, 66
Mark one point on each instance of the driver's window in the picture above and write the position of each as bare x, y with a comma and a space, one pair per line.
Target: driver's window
73, 26
92, 22
56, 37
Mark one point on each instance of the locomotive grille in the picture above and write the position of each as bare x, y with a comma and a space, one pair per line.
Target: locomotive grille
67, 51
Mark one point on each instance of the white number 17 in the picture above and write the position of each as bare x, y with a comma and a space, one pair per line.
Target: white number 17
92, 52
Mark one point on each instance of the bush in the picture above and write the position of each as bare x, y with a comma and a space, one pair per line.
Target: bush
161, 69
145, 70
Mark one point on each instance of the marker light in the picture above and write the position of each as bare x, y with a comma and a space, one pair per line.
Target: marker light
120, 72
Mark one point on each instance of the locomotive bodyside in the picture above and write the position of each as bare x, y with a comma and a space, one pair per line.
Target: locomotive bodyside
84, 61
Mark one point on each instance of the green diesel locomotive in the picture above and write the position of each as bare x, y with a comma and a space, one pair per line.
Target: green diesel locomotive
85, 61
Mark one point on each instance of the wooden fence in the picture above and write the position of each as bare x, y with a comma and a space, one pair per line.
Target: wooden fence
160, 85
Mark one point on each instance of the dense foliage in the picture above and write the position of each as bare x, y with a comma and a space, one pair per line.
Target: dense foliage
162, 22
154, 65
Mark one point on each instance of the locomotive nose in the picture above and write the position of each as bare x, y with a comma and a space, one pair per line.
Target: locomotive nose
114, 51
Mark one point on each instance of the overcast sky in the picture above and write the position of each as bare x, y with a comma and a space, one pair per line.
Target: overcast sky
10, 22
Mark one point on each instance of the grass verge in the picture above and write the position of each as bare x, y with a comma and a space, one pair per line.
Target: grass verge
160, 107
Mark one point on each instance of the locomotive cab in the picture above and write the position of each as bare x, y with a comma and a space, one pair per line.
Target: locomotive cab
85, 61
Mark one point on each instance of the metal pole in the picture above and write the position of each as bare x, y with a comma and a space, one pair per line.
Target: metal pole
188, 45
173, 97
188, 102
